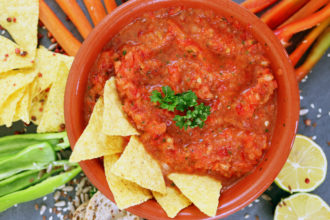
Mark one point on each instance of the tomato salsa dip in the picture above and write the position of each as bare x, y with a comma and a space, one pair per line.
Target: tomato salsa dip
215, 57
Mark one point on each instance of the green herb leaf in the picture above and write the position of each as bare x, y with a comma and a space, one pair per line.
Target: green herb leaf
196, 115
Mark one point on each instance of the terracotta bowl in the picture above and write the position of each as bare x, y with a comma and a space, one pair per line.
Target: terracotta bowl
249, 187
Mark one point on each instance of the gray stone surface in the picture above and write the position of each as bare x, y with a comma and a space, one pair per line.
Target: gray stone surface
316, 90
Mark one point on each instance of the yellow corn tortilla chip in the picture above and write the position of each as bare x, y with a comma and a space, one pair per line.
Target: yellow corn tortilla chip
23, 23
136, 165
126, 193
47, 64
38, 105
9, 60
14, 80
24, 105
203, 191
7, 110
93, 143
115, 121
52, 119
172, 202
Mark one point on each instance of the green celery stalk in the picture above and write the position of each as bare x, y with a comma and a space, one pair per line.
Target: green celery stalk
33, 157
41, 189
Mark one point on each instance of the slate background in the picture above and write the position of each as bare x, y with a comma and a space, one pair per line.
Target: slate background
315, 90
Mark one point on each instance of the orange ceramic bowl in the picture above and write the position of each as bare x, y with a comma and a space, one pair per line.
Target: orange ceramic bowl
246, 189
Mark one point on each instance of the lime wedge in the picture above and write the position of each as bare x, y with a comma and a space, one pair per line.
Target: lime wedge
305, 169
302, 206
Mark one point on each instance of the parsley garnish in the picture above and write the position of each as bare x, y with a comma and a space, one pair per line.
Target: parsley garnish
196, 115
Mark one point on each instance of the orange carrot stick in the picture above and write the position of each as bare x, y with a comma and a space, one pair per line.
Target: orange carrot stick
307, 42
257, 5
320, 47
307, 10
110, 5
63, 36
280, 12
76, 15
284, 33
95, 10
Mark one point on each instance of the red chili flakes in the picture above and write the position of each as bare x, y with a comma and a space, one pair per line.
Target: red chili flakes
39, 74
328, 143
49, 35
9, 19
17, 51
32, 61
6, 55
41, 109
14, 20
33, 118
307, 180
23, 53
40, 35
53, 40
54, 54
62, 127
1, 28
47, 90
14, 84
308, 122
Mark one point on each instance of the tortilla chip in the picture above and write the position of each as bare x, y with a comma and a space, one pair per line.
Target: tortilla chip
115, 120
7, 110
47, 64
9, 60
203, 191
172, 202
23, 26
24, 105
136, 165
126, 193
14, 80
93, 143
38, 105
53, 118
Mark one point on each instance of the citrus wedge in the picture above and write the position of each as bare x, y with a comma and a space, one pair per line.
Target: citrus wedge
302, 206
305, 169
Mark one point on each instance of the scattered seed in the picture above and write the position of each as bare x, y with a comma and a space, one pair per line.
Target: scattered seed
246, 216
86, 189
312, 105
303, 112
49, 168
314, 138
320, 110
68, 189
42, 209
57, 195
60, 204
45, 198
266, 197
318, 115
250, 205
257, 200
52, 46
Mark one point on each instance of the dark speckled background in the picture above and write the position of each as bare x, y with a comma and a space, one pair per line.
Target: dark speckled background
315, 92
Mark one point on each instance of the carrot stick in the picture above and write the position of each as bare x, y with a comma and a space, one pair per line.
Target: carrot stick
307, 10
280, 12
320, 47
284, 33
110, 5
63, 36
95, 10
307, 42
257, 5
76, 15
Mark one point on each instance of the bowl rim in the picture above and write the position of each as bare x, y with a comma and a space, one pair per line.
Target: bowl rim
287, 114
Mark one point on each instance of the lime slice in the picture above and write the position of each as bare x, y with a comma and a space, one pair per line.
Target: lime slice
305, 169
302, 206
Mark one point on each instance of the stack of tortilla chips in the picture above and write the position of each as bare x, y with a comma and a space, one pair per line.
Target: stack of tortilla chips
32, 80
133, 175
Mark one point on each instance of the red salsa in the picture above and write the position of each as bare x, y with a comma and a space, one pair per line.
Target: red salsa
215, 57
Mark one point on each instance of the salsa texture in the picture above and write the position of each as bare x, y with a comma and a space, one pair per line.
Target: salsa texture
215, 57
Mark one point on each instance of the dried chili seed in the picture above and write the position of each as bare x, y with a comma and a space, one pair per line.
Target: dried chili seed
8, 19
